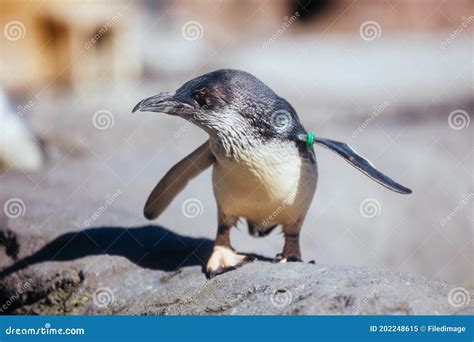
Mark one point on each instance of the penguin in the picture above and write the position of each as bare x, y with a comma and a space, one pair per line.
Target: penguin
264, 168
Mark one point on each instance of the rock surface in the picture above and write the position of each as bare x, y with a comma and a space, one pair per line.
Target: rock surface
85, 287
150, 270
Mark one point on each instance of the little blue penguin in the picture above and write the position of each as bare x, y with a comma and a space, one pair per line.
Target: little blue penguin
264, 166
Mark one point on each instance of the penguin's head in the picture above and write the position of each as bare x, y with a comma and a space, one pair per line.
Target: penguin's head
229, 102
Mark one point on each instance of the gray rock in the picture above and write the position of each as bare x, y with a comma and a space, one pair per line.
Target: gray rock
114, 285
149, 270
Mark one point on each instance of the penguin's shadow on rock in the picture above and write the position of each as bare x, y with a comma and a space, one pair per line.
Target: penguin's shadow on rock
152, 247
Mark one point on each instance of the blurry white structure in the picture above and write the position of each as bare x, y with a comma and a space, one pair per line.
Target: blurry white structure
18, 148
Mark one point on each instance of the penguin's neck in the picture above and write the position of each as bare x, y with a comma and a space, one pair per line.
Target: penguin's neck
233, 145
251, 151
234, 140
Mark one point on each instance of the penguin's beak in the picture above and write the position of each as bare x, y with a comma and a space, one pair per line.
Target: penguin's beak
162, 103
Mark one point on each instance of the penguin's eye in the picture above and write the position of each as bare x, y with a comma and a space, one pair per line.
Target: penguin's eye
201, 99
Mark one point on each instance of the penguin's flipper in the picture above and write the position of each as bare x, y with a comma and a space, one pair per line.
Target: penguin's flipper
359, 162
176, 179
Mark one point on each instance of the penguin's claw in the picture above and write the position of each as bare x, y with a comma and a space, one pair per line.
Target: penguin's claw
281, 260
278, 258
294, 259
224, 259
220, 270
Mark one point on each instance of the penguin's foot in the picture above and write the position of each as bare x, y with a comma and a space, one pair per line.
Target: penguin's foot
279, 258
224, 259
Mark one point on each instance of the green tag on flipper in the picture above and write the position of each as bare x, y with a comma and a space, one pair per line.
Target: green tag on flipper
310, 139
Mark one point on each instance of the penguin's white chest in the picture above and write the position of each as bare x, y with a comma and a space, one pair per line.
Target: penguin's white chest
270, 182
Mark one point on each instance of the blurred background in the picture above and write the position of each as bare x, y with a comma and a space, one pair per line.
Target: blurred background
392, 78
